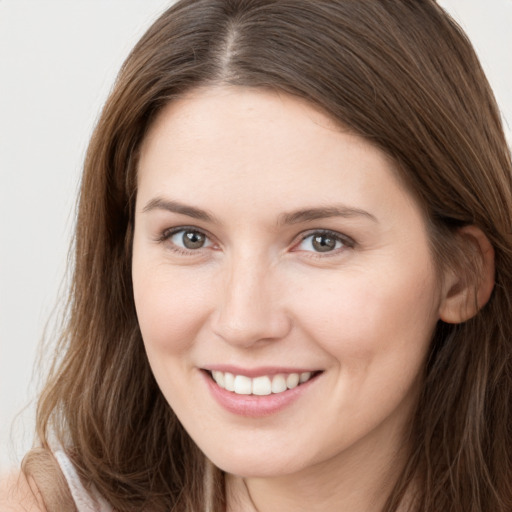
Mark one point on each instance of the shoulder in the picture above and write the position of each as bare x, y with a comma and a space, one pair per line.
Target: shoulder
49, 482
19, 494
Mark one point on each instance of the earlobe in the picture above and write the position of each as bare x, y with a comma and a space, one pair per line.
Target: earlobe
467, 290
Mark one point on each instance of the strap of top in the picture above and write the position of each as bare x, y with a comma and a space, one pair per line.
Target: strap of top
85, 501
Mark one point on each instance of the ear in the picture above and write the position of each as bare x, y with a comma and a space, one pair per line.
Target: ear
467, 290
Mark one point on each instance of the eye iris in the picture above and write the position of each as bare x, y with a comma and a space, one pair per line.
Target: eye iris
193, 240
323, 243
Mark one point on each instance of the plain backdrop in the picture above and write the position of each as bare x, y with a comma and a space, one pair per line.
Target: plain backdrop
58, 60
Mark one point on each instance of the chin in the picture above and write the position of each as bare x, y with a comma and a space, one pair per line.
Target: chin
257, 463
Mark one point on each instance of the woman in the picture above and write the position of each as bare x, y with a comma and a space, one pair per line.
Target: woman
293, 272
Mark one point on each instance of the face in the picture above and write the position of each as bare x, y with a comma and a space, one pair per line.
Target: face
283, 282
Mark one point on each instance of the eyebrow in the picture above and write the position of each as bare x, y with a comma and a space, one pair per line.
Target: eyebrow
174, 206
310, 214
295, 217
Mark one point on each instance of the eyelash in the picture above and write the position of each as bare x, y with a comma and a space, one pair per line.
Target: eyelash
346, 241
169, 233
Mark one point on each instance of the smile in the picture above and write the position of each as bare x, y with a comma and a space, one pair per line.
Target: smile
266, 391
262, 385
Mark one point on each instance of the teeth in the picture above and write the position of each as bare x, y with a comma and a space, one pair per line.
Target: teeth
304, 377
261, 386
218, 377
264, 385
229, 381
243, 385
278, 384
292, 381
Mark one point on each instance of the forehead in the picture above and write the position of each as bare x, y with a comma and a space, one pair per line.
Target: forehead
260, 148
213, 115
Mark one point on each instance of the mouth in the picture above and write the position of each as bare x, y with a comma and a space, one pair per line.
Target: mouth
262, 385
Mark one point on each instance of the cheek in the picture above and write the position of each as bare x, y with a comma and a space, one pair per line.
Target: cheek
358, 318
170, 307
377, 332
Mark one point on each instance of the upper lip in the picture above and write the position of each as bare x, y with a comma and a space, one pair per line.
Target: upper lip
258, 371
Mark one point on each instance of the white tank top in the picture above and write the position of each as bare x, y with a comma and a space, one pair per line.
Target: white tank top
85, 501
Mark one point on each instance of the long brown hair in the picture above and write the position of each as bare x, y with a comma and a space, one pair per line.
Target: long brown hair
399, 73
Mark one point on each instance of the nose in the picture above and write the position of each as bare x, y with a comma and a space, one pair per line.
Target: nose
250, 309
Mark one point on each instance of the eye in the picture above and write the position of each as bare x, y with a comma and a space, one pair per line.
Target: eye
323, 242
188, 239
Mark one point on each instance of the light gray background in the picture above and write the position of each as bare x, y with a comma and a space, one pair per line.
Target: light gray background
58, 59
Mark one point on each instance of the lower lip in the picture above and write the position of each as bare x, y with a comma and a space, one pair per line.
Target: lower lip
254, 405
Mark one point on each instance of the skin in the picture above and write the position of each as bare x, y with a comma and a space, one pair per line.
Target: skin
17, 494
259, 294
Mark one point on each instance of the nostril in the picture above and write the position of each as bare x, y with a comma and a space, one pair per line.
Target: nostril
244, 328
